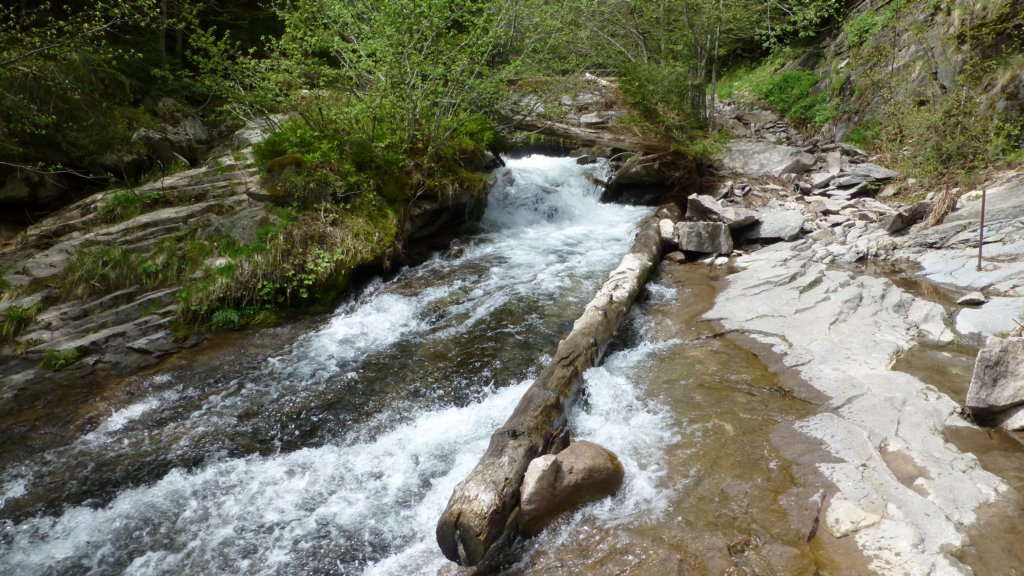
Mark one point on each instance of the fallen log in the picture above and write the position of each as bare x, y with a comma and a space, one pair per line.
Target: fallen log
483, 508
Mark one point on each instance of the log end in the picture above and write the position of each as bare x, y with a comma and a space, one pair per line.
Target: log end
459, 541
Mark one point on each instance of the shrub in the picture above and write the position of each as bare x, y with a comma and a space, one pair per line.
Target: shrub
862, 28
865, 134
15, 319
226, 319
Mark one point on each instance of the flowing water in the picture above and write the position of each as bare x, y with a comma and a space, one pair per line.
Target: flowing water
334, 453
331, 446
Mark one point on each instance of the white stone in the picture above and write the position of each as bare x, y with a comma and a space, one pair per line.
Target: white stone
1000, 314
931, 319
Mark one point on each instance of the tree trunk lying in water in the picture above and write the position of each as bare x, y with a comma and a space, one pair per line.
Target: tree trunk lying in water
483, 507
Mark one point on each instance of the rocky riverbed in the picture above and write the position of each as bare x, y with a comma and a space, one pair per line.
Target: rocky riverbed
907, 496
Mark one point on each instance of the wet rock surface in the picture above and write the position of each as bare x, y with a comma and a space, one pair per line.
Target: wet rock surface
905, 495
558, 483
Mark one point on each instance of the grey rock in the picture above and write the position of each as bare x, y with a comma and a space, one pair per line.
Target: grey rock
819, 180
705, 237
737, 217
874, 172
723, 190
998, 380
703, 208
825, 206
735, 127
931, 320
797, 164
758, 116
558, 483
906, 217
998, 315
853, 151
783, 225
1014, 421
244, 226
756, 157
834, 162
1003, 201
972, 299
158, 145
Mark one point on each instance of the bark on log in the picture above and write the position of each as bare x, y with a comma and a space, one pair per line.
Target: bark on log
590, 136
482, 508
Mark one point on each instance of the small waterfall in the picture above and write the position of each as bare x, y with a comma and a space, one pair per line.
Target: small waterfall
338, 453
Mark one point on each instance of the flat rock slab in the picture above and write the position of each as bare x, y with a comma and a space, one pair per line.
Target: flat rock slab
1000, 314
998, 381
1003, 201
1002, 267
873, 172
780, 225
757, 157
840, 331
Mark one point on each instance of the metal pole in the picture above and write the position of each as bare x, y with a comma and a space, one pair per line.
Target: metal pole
981, 229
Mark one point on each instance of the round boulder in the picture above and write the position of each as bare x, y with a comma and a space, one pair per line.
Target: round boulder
555, 484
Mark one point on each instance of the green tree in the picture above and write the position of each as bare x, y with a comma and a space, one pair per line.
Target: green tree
392, 96
61, 77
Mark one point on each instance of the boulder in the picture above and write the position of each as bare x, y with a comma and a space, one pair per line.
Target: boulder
704, 208
998, 380
781, 225
734, 126
757, 116
555, 484
723, 190
825, 206
676, 257
756, 157
797, 164
906, 217
705, 237
158, 145
834, 162
851, 180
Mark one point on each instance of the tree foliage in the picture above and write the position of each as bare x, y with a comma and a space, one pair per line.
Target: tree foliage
395, 97
61, 77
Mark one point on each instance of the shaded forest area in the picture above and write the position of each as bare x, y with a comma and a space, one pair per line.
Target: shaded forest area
392, 96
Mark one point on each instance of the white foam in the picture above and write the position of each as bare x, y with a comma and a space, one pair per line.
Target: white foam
261, 515
121, 418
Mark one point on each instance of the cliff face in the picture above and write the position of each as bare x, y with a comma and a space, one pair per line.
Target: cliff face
938, 86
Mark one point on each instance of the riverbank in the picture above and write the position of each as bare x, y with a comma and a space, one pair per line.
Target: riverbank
912, 500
